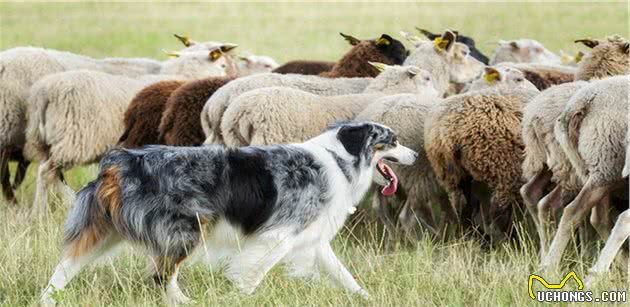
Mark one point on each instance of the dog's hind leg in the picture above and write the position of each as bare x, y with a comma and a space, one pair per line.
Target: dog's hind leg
329, 262
167, 271
79, 253
256, 257
302, 264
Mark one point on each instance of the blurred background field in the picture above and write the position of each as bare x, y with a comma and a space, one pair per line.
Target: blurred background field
430, 274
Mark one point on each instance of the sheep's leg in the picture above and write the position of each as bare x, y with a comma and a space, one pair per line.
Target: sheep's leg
457, 201
588, 197
411, 215
619, 234
5, 176
533, 191
40, 204
545, 223
60, 187
601, 219
20, 172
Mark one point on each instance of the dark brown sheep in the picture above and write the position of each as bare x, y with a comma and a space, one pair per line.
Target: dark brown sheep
144, 113
180, 125
304, 67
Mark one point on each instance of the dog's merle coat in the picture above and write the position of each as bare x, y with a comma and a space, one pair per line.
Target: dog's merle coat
283, 201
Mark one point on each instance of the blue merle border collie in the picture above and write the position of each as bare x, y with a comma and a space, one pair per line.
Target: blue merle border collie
259, 205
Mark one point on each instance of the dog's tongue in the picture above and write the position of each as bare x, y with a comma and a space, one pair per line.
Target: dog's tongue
391, 188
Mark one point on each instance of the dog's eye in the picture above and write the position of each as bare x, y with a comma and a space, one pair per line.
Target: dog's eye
379, 146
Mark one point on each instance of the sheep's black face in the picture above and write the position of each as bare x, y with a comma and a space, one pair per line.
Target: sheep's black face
392, 49
474, 52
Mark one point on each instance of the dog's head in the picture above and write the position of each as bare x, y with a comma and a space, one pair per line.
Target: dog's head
373, 145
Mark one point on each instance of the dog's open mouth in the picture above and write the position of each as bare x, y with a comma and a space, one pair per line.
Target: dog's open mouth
392, 181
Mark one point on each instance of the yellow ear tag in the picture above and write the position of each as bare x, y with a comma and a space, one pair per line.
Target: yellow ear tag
215, 55
440, 43
383, 41
491, 77
578, 57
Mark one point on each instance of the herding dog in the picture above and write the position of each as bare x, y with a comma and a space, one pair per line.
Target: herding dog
283, 202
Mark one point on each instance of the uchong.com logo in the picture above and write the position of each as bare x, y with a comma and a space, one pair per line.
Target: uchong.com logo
555, 293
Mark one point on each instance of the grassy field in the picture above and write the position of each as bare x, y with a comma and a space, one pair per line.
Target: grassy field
458, 273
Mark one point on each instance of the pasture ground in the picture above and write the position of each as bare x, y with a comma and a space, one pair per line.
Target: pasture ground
458, 273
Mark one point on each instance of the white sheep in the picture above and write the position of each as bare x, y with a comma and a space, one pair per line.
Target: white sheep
545, 163
255, 64
21, 67
286, 115
445, 59
592, 133
75, 116
216, 105
523, 51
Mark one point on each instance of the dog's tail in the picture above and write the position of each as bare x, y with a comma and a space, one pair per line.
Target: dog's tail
91, 219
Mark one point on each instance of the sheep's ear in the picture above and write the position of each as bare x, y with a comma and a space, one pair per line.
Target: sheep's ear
445, 42
411, 38
215, 54
379, 66
184, 39
625, 47
171, 54
514, 45
579, 55
244, 58
384, 40
591, 43
426, 33
491, 75
227, 47
413, 71
352, 40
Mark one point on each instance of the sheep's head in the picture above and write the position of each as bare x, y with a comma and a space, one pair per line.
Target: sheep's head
608, 57
462, 66
200, 64
255, 64
468, 41
402, 79
501, 76
192, 45
354, 63
523, 51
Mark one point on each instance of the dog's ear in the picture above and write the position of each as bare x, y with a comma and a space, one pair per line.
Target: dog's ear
354, 138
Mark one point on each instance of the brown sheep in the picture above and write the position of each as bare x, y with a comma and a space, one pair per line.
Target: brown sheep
304, 67
473, 142
144, 114
180, 125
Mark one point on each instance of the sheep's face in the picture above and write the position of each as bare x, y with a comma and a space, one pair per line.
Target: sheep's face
402, 79
463, 67
255, 64
392, 49
501, 76
200, 64
523, 51
608, 57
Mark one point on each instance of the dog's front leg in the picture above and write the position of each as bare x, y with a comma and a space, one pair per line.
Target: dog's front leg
301, 264
329, 262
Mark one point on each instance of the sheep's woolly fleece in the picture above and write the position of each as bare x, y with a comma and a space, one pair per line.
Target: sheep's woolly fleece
180, 125
215, 107
144, 113
592, 130
609, 57
286, 115
541, 147
477, 136
304, 67
355, 63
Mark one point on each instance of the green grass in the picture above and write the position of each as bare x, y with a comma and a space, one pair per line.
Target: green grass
458, 273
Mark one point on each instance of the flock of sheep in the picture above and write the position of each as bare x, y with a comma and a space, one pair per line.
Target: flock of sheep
533, 130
